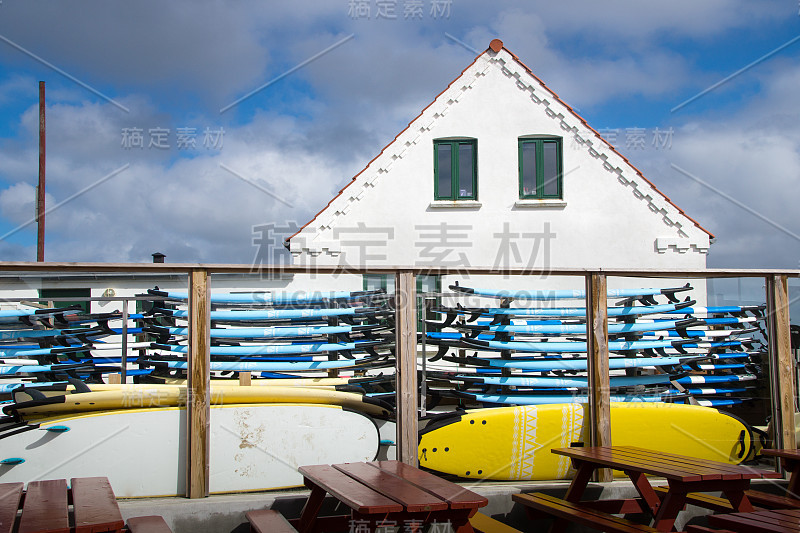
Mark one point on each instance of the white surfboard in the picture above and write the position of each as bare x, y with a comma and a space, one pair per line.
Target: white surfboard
142, 451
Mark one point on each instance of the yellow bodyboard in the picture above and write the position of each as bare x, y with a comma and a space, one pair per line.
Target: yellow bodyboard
514, 443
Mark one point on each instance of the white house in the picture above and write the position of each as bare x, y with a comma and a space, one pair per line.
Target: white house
499, 171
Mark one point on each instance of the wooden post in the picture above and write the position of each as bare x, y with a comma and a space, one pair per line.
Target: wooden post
40, 190
597, 354
406, 375
198, 393
780, 361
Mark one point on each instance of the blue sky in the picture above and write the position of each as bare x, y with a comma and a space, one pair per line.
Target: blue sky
289, 147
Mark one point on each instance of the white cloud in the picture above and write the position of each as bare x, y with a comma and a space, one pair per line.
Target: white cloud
188, 208
751, 156
319, 127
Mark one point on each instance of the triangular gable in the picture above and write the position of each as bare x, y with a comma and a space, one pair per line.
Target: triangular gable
572, 124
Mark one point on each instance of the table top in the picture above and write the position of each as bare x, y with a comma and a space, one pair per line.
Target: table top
390, 486
669, 466
46, 506
784, 454
775, 521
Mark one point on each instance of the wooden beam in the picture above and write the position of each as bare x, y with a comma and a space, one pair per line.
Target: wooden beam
781, 362
406, 376
198, 394
597, 353
40, 189
16, 267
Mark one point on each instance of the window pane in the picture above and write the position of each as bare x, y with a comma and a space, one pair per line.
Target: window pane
465, 171
550, 156
444, 178
426, 283
373, 282
389, 280
528, 169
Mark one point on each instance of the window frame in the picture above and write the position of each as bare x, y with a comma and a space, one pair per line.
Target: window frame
539, 141
370, 281
80, 295
455, 178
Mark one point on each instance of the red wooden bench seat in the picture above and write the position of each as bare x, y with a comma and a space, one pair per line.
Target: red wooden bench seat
95, 507
721, 505
579, 513
86, 506
148, 524
773, 521
268, 521
482, 523
10, 494
45, 507
703, 529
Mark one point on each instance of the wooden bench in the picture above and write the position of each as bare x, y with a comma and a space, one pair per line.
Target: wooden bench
580, 514
721, 505
482, 523
268, 521
93, 504
703, 529
46, 507
10, 495
772, 501
148, 524
772, 521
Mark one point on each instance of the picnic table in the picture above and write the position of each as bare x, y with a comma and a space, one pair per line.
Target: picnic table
790, 460
684, 475
773, 521
385, 493
45, 507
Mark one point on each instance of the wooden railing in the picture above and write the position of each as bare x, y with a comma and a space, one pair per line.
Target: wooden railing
198, 409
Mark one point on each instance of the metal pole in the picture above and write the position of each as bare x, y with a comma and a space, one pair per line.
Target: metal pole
40, 190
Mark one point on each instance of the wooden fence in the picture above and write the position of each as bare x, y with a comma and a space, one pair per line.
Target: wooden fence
198, 403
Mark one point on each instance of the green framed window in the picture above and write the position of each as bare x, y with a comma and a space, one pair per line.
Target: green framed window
77, 294
455, 169
425, 284
540, 167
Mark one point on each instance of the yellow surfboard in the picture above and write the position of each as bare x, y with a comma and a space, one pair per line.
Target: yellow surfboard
514, 443
149, 396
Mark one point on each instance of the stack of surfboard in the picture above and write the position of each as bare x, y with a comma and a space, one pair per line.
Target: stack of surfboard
278, 335
55, 344
529, 352
291, 414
